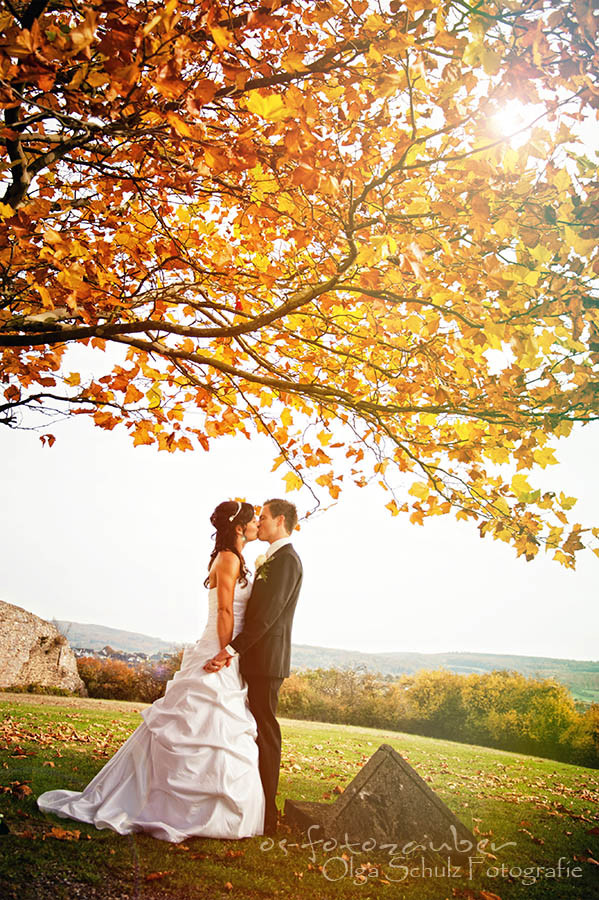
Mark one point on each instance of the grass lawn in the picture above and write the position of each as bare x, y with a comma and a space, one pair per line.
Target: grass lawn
539, 810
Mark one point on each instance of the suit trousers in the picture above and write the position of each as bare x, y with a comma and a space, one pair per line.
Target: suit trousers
263, 697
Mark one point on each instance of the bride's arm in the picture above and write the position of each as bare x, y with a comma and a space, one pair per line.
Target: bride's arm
226, 568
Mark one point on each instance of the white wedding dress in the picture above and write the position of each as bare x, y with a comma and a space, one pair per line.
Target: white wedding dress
191, 768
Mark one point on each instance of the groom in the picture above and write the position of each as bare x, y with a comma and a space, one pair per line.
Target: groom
264, 644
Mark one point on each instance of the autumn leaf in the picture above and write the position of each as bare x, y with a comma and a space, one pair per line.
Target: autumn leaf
269, 106
318, 233
63, 834
157, 876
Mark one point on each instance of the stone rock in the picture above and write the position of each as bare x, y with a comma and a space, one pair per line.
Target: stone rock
32, 651
389, 803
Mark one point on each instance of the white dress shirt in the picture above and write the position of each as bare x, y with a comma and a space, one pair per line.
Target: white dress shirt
272, 548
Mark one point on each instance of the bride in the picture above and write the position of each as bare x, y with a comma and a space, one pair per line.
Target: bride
191, 768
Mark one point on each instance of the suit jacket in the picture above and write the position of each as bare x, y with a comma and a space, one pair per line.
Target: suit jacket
264, 644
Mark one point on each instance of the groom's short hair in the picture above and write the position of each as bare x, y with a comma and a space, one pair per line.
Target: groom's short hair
283, 508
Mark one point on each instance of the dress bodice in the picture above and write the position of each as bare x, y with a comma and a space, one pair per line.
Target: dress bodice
241, 596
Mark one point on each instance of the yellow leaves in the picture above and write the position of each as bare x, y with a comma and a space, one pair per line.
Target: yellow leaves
73, 380
293, 482
222, 37
501, 506
472, 52
566, 502
392, 507
521, 487
268, 106
491, 60
413, 323
418, 207
545, 457
293, 61
251, 206
564, 560
263, 184
498, 454
179, 125
327, 480
583, 247
531, 277
420, 490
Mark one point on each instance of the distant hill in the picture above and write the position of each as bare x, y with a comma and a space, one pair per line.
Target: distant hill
581, 676
94, 637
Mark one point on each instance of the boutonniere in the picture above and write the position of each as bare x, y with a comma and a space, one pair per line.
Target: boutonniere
262, 564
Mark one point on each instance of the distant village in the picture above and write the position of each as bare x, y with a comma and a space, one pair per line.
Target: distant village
131, 658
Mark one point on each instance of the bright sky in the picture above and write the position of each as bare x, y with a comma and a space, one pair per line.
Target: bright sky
95, 530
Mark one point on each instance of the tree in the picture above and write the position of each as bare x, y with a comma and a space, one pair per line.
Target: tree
299, 218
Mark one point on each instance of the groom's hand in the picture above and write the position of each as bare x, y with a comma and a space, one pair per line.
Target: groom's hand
222, 658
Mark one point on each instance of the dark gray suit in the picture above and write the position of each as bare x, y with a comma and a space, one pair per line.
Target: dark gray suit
264, 647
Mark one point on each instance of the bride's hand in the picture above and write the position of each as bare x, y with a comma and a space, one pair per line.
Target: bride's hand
221, 659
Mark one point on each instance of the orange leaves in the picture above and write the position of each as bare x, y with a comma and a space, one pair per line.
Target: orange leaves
143, 433
180, 125
19, 789
105, 420
158, 876
203, 93
316, 230
63, 834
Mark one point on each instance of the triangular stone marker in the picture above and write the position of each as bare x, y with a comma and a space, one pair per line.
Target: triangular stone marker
390, 803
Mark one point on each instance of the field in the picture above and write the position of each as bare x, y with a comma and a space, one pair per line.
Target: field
533, 811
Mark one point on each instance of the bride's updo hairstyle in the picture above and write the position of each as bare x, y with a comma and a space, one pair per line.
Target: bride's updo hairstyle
225, 518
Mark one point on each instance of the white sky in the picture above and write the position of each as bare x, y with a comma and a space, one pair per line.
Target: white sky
95, 530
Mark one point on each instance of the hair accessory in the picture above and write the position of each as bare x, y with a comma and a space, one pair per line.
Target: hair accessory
236, 513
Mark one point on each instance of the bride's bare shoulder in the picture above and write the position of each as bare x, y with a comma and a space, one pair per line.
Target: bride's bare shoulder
226, 566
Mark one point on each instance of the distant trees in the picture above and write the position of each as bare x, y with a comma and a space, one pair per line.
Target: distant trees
497, 709
113, 679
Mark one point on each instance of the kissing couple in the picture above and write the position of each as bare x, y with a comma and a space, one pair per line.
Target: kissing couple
205, 761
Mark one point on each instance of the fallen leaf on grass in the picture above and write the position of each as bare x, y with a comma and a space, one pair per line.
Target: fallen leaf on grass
228, 886
487, 895
155, 876
62, 834
232, 854
48, 762
535, 840
18, 788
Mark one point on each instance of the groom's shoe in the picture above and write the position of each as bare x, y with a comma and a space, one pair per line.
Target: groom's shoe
270, 827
